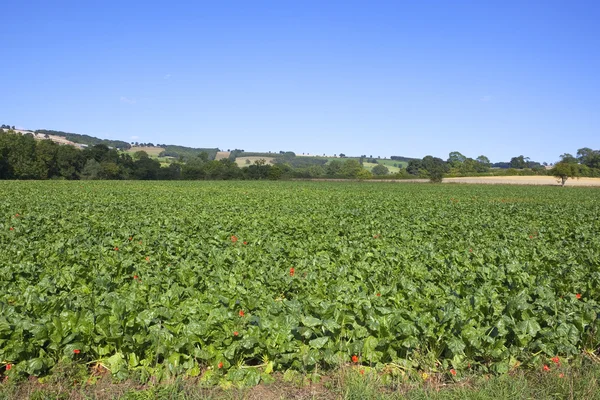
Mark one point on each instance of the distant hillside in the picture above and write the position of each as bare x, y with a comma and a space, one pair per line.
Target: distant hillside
166, 150
86, 139
283, 157
186, 153
304, 161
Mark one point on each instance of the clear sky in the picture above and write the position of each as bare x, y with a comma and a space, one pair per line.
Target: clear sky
413, 78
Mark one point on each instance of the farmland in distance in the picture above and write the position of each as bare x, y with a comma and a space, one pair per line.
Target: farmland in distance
234, 280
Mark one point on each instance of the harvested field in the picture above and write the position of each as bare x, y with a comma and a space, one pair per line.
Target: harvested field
222, 154
524, 180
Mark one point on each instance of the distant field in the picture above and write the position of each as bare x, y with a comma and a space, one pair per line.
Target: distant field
222, 154
152, 151
369, 166
390, 163
241, 161
391, 168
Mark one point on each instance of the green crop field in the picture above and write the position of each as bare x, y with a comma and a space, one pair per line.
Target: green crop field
233, 280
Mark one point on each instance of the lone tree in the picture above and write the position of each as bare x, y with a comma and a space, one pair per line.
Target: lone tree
564, 170
138, 155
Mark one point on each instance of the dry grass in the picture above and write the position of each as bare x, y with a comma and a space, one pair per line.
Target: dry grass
580, 381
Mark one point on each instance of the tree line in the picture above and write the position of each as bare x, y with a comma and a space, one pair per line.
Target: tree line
24, 157
586, 164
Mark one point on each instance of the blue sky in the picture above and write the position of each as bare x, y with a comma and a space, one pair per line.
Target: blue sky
412, 78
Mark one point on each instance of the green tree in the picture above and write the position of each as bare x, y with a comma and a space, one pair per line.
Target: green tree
469, 166
333, 168
203, 155
22, 157
97, 152
110, 170
6, 169
565, 170
172, 172
364, 174
415, 167
275, 172
484, 161
380, 170
146, 168
69, 161
435, 167
45, 154
140, 154
91, 169
315, 171
455, 159
568, 158
589, 157
192, 171
518, 162
351, 169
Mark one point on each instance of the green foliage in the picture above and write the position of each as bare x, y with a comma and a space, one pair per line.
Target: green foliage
333, 168
301, 162
435, 168
241, 153
483, 160
455, 159
138, 155
199, 168
350, 169
589, 157
380, 170
91, 169
565, 170
149, 278
186, 153
402, 159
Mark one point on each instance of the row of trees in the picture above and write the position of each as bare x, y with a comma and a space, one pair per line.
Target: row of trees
23, 157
